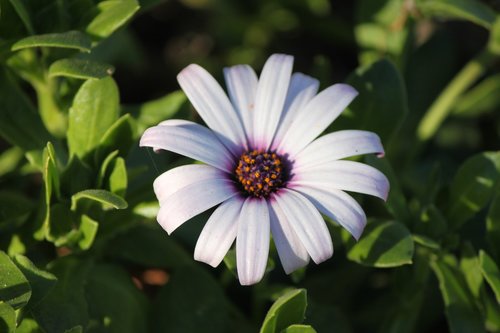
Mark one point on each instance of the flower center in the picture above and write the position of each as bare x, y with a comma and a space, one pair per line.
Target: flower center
260, 173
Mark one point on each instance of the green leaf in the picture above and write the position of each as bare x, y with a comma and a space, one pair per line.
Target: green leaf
490, 272
119, 136
117, 305
24, 15
480, 99
112, 15
192, 301
470, 10
289, 309
387, 244
65, 306
95, 108
15, 290
118, 177
106, 198
473, 186
7, 318
28, 325
461, 311
469, 264
88, 231
80, 69
105, 168
493, 226
494, 41
69, 40
76, 177
381, 105
299, 329
41, 281
9, 160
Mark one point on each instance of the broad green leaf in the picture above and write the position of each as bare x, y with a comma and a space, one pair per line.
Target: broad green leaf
10, 159
469, 264
15, 290
191, 301
80, 69
105, 168
299, 329
20, 123
147, 246
119, 136
470, 10
480, 99
88, 230
461, 311
106, 198
494, 42
117, 181
69, 40
65, 306
117, 305
112, 15
387, 244
289, 309
14, 210
490, 272
473, 187
95, 108
41, 281
7, 318
493, 226
381, 105
28, 325
24, 15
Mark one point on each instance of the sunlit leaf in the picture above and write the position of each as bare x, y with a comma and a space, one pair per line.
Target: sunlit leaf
15, 290
119, 136
88, 230
112, 15
80, 69
299, 329
491, 272
480, 99
7, 318
70, 40
387, 244
289, 309
106, 198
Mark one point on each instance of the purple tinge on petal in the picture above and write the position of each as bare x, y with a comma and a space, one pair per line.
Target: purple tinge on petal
241, 82
219, 232
175, 179
252, 241
293, 255
191, 140
192, 200
307, 224
213, 106
339, 145
317, 115
270, 99
344, 175
338, 206
302, 89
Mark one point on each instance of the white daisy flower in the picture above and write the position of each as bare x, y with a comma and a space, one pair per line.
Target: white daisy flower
263, 166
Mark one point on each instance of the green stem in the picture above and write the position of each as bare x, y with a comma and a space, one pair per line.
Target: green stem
442, 106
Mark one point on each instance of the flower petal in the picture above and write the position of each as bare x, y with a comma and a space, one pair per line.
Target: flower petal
344, 175
192, 200
270, 99
307, 223
213, 106
189, 139
219, 232
252, 242
293, 255
302, 89
174, 179
241, 82
338, 145
316, 116
338, 206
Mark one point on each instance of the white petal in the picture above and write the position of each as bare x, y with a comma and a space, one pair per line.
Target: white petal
317, 115
344, 175
338, 206
338, 145
191, 140
219, 232
192, 200
174, 179
241, 82
252, 242
270, 98
302, 89
213, 106
293, 255
307, 223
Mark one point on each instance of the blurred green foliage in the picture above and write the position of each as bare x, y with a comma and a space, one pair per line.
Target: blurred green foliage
80, 80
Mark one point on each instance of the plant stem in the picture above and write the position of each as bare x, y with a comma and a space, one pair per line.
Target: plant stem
442, 106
